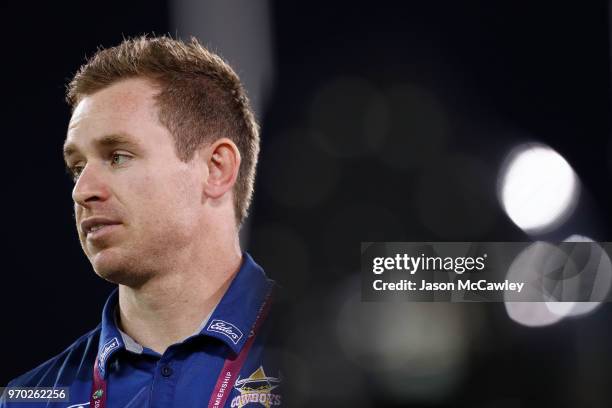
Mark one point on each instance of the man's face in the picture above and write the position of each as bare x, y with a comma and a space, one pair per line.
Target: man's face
136, 204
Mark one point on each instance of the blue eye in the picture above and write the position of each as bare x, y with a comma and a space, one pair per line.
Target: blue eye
119, 159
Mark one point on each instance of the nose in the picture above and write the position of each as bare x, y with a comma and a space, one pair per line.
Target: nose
90, 187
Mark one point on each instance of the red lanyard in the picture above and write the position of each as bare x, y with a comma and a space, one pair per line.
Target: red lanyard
97, 399
225, 381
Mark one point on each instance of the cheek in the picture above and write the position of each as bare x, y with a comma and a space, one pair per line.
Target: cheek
184, 199
166, 201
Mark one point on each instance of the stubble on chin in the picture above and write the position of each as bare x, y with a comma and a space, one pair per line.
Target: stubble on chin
120, 270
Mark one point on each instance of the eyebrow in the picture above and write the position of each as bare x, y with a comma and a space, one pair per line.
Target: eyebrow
117, 139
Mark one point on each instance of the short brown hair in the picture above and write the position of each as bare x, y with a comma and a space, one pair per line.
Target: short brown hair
201, 98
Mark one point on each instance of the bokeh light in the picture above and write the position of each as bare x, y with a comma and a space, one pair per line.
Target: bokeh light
601, 283
529, 266
537, 188
417, 351
581, 269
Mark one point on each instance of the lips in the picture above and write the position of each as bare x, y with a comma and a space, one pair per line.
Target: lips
93, 224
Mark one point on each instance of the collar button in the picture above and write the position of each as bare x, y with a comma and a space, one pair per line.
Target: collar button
166, 370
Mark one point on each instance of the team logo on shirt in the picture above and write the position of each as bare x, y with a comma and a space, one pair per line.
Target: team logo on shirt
106, 350
256, 389
225, 328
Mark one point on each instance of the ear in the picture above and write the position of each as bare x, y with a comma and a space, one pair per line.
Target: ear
223, 162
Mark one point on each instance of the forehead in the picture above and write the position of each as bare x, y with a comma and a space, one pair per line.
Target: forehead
126, 107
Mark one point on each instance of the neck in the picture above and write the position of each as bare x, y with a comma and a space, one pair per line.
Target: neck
172, 305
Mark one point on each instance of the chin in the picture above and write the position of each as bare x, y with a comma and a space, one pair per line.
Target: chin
115, 268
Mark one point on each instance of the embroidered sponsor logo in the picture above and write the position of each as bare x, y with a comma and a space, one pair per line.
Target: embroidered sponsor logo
106, 350
256, 389
225, 328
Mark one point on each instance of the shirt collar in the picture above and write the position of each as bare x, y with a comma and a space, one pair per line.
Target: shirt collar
234, 317
231, 321
111, 339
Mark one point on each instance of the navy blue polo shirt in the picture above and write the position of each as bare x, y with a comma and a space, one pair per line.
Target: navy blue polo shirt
185, 375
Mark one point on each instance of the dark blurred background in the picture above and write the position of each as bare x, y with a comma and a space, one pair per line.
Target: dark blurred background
387, 122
